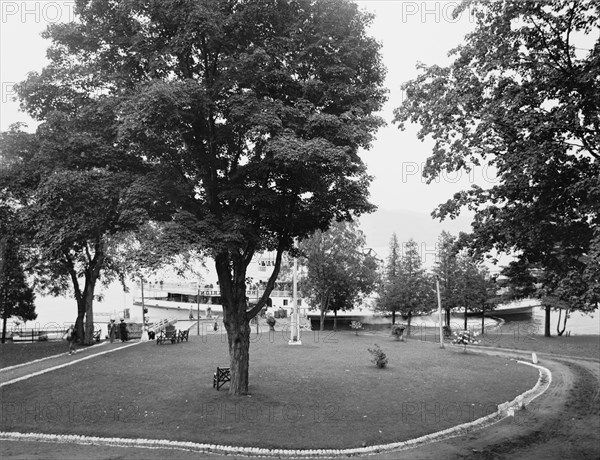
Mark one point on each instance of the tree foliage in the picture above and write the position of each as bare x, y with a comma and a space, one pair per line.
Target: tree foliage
16, 296
408, 288
388, 300
446, 270
523, 95
475, 287
75, 189
339, 270
415, 285
258, 109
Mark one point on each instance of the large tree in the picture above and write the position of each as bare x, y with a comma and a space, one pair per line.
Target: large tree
523, 96
339, 269
75, 190
260, 108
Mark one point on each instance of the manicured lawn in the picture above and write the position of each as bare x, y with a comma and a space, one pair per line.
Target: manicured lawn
526, 337
17, 353
324, 393
585, 346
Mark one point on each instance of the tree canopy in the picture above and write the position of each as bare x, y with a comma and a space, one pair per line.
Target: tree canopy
257, 108
75, 189
523, 95
339, 270
388, 300
16, 296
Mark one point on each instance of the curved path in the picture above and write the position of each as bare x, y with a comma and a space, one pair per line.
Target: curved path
562, 423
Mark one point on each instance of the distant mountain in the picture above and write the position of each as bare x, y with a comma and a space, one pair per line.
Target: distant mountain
420, 226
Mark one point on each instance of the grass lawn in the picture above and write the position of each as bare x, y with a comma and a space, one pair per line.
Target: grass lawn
584, 346
525, 337
18, 353
325, 393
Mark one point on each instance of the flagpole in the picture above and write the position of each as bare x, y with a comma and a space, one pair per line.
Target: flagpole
295, 320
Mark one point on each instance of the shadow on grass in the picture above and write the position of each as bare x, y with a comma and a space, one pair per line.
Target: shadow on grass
323, 394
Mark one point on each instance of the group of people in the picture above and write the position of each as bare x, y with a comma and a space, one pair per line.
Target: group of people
71, 334
123, 331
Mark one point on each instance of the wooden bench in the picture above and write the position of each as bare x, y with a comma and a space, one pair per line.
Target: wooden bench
222, 376
183, 335
168, 335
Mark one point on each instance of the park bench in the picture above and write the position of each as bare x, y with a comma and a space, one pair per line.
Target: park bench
220, 377
183, 335
168, 335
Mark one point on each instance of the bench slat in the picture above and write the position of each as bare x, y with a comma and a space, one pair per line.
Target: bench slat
220, 377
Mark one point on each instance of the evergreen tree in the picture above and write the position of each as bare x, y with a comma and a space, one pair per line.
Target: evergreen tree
415, 288
388, 300
16, 297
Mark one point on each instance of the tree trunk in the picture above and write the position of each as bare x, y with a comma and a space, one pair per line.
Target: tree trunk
4, 320
483, 320
335, 320
547, 322
393, 317
324, 308
238, 337
408, 323
79, 325
231, 271
560, 331
448, 317
85, 298
89, 314
465, 317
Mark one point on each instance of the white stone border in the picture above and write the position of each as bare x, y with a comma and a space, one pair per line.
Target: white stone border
505, 410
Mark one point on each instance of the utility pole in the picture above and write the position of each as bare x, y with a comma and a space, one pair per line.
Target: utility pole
144, 337
439, 299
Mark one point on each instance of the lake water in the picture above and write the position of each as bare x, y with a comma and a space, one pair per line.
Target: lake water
61, 312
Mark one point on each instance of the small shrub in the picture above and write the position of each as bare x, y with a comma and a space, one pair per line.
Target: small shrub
378, 356
447, 330
356, 325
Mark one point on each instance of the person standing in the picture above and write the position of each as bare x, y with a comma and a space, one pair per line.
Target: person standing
123, 330
112, 330
71, 336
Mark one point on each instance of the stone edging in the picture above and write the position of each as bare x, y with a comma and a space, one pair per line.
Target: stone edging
505, 410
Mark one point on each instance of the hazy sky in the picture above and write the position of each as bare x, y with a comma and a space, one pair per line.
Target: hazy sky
410, 31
